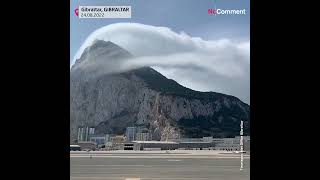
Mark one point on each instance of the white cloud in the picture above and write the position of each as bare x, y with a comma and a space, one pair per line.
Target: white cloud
205, 65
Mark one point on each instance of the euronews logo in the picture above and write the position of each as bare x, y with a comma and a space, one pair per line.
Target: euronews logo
227, 11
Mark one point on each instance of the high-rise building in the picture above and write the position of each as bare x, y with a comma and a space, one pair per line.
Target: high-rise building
150, 135
143, 136
131, 133
107, 138
85, 132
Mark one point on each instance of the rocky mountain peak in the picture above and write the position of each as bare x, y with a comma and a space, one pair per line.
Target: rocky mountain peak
101, 50
144, 97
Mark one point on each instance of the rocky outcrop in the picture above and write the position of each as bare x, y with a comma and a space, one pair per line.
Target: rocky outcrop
143, 97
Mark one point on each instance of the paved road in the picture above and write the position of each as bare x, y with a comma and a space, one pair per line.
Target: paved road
160, 167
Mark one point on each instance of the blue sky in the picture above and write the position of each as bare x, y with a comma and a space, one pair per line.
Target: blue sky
189, 16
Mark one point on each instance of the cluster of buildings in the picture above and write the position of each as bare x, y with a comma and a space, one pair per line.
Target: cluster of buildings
87, 139
137, 138
205, 143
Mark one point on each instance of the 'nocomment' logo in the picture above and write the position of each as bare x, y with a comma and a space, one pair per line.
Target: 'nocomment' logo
227, 11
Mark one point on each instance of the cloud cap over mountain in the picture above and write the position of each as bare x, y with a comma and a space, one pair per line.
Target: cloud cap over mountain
205, 65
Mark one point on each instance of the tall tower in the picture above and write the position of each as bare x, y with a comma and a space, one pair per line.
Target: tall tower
131, 133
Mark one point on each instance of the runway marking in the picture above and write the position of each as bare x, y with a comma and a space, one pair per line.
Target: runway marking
160, 178
132, 179
174, 160
111, 165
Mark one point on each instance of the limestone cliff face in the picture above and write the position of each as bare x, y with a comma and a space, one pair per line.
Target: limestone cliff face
143, 97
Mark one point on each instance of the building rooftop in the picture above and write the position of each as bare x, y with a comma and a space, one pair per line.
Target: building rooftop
86, 142
156, 142
74, 146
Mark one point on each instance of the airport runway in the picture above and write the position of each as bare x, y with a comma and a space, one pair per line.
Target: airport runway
139, 166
